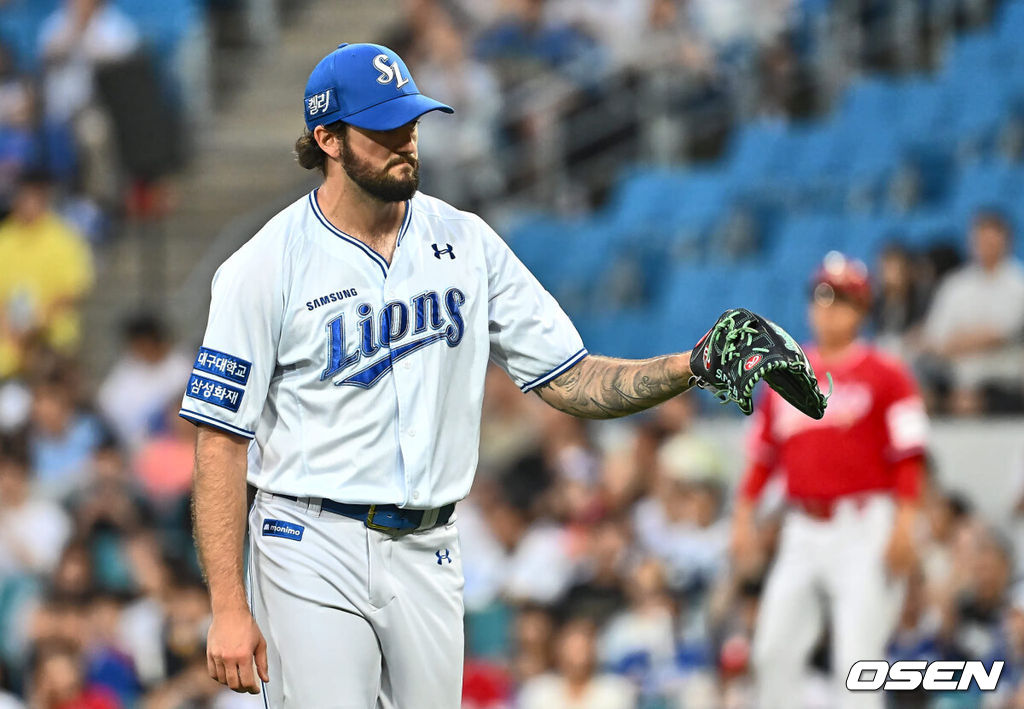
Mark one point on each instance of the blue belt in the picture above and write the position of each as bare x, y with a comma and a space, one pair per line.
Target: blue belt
390, 519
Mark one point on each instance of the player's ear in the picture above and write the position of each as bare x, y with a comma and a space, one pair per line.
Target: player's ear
329, 141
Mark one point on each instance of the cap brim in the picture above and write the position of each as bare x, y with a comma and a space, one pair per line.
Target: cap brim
396, 112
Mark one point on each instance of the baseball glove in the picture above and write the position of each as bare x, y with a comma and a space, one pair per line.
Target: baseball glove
741, 349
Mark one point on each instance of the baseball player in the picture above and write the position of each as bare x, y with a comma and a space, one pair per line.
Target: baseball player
341, 375
852, 482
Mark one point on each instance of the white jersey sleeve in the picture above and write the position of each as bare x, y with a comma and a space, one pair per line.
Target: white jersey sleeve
232, 371
531, 337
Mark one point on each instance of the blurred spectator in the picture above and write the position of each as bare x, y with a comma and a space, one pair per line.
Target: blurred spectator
526, 43
917, 632
142, 621
62, 436
73, 42
164, 464
485, 686
8, 700
899, 304
511, 425
45, 269
598, 595
976, 324
33, 530
110, 504
541, 562
577, 685
641, 638
729, 22
146, 377
972, 622
58, 682
458, 156
15, 127
533, 643
681, 523
107, 665
619, 25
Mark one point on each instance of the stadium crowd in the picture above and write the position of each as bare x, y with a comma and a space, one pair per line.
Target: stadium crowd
548, 88
597, 557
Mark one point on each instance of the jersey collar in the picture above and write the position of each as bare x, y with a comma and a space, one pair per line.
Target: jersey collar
369, 252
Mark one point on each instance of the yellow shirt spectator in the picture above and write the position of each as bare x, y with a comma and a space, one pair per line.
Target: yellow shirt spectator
45, 268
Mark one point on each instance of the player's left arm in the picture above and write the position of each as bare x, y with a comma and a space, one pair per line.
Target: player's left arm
605, 387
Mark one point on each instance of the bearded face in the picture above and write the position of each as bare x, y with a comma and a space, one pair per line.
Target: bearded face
383, 184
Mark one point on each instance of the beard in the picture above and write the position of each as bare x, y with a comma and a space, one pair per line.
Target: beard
381, 185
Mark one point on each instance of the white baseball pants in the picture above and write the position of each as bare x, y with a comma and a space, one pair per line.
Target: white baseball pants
839, 561
353, 618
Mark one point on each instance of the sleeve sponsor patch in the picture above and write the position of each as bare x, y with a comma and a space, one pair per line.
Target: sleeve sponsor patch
223, 365
213, 392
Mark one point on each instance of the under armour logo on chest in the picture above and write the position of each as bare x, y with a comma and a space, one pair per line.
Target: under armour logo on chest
439, 252
441, 558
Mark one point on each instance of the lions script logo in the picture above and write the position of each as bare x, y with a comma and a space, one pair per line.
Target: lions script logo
383, 337
389, 72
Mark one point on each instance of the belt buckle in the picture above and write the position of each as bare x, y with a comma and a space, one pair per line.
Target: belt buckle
393, 532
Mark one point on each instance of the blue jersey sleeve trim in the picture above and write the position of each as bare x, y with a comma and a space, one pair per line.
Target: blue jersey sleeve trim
196, 417
557, 371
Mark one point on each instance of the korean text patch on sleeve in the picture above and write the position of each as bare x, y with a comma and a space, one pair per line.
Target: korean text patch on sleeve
221, 364
214, 392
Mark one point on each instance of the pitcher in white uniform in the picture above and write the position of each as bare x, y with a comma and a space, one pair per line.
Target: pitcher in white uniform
341, 375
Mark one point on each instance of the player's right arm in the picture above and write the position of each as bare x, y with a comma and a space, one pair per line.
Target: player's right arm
225, 397
234, 643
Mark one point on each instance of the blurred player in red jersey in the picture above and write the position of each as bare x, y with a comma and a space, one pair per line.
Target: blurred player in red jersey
852, 483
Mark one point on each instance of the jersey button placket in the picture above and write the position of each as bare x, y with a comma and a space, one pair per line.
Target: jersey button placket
408, 432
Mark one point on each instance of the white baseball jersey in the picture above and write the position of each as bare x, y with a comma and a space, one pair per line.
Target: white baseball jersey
361, 381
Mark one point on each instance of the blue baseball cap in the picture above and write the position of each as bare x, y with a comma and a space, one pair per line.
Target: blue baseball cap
365, 85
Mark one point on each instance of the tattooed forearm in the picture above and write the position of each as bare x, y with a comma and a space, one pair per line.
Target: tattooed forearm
604, 388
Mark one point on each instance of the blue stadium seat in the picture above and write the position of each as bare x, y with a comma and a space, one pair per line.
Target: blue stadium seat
642, 196
865, 236
20, 23
925, 228
695, 295
869, 103
925, 109
1010, 26
633, 333
162, 23
990, 184
537, 241
756, 152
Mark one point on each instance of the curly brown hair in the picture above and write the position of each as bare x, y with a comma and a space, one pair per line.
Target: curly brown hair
308, 152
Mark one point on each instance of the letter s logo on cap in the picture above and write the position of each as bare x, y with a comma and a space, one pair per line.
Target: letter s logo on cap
389, 72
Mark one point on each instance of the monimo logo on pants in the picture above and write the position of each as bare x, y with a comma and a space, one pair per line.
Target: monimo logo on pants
280, 528
905, 675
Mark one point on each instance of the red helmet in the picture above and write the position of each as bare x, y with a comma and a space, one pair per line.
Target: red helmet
844, 278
